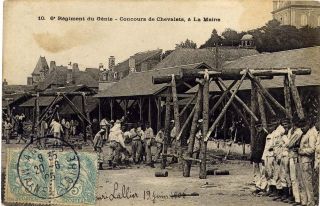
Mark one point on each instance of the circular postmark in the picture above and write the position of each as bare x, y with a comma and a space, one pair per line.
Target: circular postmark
48, 173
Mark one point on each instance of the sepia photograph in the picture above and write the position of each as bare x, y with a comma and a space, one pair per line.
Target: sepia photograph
154, 102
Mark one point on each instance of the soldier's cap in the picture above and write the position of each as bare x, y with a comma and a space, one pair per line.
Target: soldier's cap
200, 120
172, 121
112, 121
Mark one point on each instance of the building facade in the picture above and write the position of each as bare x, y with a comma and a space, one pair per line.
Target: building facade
297, 13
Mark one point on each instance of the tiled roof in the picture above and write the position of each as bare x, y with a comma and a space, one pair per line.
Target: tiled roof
46, 100
140, 83
305, 57
208, 56
91, 104
41, 65
12, 98
59, 77
139, 58
9, 89
93, 72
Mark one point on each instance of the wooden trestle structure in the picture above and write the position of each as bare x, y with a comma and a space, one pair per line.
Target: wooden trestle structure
82, 113
260, 97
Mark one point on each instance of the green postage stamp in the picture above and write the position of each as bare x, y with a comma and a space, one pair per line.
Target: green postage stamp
51, 176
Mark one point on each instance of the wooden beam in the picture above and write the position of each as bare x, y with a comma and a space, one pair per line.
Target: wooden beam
262, 110
159, 110
224, 110
267, 94
49, 107
295, 96
100, 109
193, 130
287, 97
176, 117
166, 130
240, 101
75, 109
178, 95
188, 104
246, 122
254, 105
187, 84
111, 102
84, 110
140, 103
222, 97
149, 111
235, 107
265, 100
205, 126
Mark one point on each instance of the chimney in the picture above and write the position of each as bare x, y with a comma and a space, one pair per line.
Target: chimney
52, 66
29, 81
75, 67
101, 68
132, 64
69, 76
112, 62
4, 83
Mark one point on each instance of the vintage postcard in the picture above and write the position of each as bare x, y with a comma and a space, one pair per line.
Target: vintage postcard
141, 102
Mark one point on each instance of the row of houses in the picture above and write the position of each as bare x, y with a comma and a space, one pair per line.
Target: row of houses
132, 93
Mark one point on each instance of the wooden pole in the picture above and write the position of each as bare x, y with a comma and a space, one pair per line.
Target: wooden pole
295, 96
37, 114
166, 130
75, 109
159, 109
111, 108
222, 97
287, 97
176, 117
140, 103
265, 100
149, 112
193, 130
262, 111
267, 94
205, 126
49, 107
186, 123
235, 107
240, 101
99, 109
84, 110
254, 109
187, 105
224, 110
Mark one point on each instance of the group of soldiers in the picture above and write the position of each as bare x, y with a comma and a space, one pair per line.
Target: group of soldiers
289, 170
117, 143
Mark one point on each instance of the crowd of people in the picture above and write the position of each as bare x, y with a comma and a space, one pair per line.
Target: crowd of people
289, 170
63, 128
120, 143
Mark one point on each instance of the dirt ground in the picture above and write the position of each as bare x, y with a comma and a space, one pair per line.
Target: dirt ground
139, 186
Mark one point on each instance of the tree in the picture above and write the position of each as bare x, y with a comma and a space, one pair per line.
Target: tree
231, 37
213, 40
187, 44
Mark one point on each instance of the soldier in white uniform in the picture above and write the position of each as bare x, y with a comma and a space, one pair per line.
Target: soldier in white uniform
306, 158
294, 137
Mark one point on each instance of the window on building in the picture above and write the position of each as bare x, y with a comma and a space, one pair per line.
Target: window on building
104, 77
304, 20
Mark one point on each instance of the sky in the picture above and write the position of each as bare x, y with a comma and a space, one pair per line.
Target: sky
89, 43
